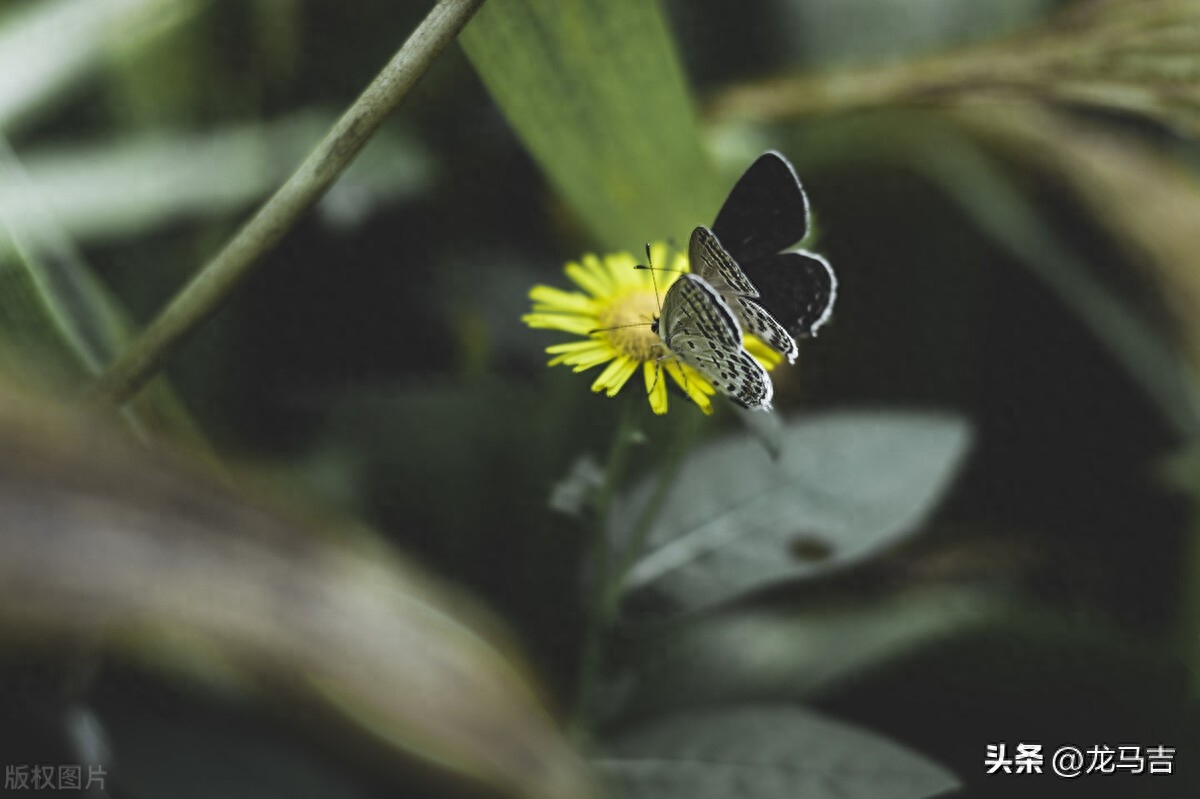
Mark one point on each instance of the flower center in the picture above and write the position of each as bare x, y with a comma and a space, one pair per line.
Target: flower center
626, 321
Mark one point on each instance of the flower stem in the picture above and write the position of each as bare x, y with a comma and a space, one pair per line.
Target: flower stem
201, 297
599, 609
685, 434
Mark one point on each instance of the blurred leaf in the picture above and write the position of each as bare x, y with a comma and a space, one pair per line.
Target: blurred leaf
48, 45
815, 643
1148, 201
853, 481
115, 190
766, 428
1136, 56
769, 752
969, 632
595, 91
58, 325
574, 493
828, 32
104, 543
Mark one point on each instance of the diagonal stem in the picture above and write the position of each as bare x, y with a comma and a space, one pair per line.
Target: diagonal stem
201, 297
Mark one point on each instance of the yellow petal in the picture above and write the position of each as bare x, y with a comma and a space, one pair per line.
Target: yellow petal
766, 356
568, 323
591, 276
587, 360
578, 346
614, 375
697, 388
589, 353
656, 386
550, 299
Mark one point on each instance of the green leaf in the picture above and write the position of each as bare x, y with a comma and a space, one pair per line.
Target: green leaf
594, 89
766, 752
851, 483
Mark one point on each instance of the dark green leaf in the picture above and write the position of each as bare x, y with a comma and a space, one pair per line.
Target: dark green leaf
849, 482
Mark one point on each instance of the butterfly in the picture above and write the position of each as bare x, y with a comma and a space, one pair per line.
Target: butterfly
700, 329
704, 311
713, 263
766, 212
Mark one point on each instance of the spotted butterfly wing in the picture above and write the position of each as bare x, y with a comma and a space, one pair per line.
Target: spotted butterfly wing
700, 329
713, 263
798, 289
766, 212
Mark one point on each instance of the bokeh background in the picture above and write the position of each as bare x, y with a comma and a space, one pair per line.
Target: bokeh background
1012, 252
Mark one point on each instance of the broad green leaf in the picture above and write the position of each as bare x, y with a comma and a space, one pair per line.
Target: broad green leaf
594, 89
1134, 56
103, 543
849, 482
767, 752
48, 45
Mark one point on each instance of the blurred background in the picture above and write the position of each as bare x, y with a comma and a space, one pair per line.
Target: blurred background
1021, 254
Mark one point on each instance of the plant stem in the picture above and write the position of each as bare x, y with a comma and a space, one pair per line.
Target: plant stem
201, 297
599, 611
685, 434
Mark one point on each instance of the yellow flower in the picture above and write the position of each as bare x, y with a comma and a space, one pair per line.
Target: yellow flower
614, 313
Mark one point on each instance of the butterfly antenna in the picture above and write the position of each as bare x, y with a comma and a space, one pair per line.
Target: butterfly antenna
617, 327
654, 280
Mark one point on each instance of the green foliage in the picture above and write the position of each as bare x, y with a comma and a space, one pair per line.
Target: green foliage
968, 532
596, 93
847, 483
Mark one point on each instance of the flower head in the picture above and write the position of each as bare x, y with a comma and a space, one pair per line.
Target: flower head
615, 312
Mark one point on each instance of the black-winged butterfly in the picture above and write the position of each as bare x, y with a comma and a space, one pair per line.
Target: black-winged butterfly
766, 212
740, 278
